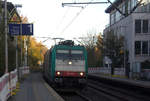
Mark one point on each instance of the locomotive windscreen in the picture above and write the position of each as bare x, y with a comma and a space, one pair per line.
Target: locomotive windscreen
70, 54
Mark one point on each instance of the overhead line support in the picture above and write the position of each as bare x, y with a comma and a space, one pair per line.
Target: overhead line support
65, 4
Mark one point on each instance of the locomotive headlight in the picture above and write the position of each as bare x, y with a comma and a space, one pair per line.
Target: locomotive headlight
81, 73
69, 62
58, 73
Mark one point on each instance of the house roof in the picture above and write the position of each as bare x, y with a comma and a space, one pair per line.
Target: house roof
111, 7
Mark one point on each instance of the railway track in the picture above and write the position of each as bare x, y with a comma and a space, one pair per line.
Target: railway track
74, 96
117, 93
99, 91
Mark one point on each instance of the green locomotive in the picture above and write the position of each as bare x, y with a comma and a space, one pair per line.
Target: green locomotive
65, 65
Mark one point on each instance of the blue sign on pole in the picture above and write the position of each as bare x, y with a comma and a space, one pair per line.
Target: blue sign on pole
14, 29
27, 29
21, 29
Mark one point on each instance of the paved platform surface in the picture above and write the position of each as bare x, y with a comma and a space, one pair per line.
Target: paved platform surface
34, 88
140, 83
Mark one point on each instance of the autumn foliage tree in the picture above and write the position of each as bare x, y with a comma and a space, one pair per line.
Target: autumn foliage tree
36, 53
35, 50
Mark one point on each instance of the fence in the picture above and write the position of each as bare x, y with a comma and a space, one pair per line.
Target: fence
102, 70
23, 71
8, 82
119, 71
146, 74
106, 70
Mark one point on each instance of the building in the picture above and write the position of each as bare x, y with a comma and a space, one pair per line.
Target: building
134, 25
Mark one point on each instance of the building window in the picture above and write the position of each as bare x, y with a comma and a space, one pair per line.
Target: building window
133, 3
145, 47
112, 18
137, 26
129, 6
123, 8
145, 26
137, 47
141, 26
141, 47
117, 16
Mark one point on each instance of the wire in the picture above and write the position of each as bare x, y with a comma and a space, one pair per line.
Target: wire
41, 37
72, 21
74, 18
61, 21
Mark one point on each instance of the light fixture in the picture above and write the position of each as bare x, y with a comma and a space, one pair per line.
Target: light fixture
81, 73
69, 62
58, 73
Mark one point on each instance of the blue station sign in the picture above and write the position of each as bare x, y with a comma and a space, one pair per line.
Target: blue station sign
14, 29
21, 29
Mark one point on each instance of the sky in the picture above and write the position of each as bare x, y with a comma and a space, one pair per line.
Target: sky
50, 19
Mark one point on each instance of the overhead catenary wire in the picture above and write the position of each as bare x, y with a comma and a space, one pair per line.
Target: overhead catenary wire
61, 21
74, 18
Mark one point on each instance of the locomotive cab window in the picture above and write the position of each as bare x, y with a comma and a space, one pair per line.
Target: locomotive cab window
62, 54
77, 54
71, 54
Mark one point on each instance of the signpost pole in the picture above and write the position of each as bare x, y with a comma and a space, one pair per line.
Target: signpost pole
17, 56
21, 40
6, 43
15, 18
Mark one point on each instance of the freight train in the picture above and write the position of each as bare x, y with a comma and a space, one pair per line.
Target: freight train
65, 65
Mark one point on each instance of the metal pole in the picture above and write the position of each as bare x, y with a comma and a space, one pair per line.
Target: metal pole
79, 3
21, 41
124, 53
125, 48
25, 47
17, 57
6, 44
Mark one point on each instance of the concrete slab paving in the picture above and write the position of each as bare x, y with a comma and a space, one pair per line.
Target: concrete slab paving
34, 88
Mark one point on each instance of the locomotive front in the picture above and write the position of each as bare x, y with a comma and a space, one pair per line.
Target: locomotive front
70, 65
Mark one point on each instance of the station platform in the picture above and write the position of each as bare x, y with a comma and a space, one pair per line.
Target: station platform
34, 88
138, 83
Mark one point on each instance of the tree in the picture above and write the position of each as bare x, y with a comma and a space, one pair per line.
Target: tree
93, 52
113, 47
99, 46
35, 50
36, 53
